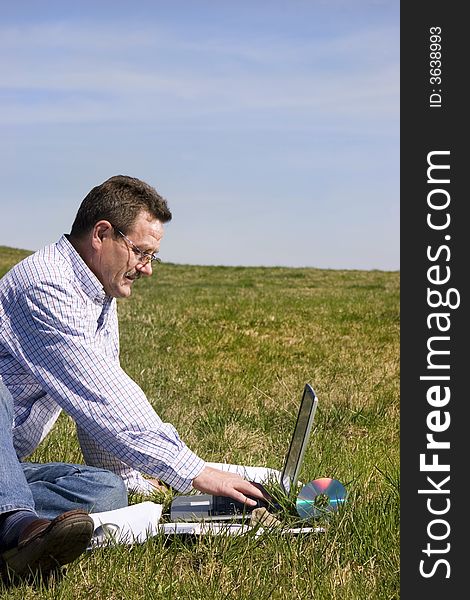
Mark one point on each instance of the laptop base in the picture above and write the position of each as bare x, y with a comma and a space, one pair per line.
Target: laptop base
205, 507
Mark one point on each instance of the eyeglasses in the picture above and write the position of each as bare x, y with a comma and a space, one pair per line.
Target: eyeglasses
144, 257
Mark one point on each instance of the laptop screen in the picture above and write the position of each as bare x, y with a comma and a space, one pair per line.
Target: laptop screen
299, 440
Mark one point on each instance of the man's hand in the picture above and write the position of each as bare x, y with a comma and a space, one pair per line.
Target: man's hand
221, 483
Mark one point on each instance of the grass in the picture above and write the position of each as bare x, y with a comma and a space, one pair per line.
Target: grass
223, 353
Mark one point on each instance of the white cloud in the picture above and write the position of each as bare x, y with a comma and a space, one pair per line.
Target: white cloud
81, 89
94, 73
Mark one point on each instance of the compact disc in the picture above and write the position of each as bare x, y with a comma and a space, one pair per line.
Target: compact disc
319, 497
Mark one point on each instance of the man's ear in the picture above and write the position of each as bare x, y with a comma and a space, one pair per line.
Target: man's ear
101, 231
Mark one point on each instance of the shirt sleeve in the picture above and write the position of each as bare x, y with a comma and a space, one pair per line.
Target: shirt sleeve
96, 456
53, 337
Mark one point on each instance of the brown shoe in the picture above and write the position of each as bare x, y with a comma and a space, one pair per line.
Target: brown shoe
46, 545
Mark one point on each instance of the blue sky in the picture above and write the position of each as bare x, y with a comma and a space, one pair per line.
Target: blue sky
272, 128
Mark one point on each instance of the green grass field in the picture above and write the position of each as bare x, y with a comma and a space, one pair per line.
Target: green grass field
223, 353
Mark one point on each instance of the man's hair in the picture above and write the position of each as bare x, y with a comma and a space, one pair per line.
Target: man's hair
119, 200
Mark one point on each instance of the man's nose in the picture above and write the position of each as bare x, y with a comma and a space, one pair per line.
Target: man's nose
145, 269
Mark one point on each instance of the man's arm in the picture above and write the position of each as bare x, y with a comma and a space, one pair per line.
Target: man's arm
53, 338
96, 456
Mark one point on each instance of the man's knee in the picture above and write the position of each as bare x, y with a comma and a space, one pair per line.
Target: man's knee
111, 491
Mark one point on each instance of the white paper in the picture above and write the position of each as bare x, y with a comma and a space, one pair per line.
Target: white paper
256, 474
129, 525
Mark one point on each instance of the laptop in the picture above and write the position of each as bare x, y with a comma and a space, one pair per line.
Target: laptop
198, 507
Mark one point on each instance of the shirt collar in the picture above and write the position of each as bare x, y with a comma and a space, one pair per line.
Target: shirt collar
90, 284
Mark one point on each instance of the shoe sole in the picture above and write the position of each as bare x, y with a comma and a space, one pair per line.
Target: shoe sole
61, 542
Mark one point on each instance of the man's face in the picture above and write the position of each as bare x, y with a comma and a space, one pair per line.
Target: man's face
120, 262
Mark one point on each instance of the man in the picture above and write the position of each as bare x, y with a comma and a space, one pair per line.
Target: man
29, 544
59, 347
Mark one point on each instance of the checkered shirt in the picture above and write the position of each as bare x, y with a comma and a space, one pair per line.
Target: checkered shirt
59, 349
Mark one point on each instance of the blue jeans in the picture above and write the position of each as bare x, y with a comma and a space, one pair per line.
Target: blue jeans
51, 488
15, 492
57, 487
